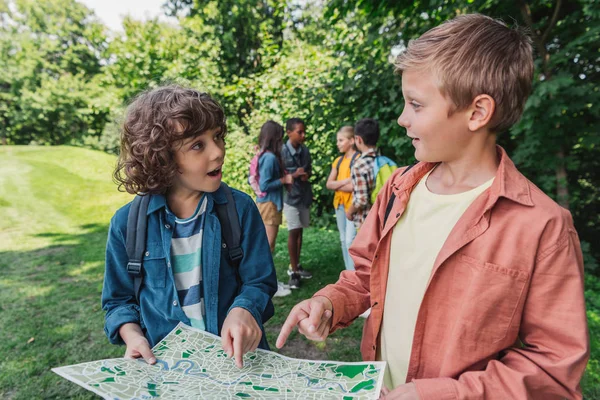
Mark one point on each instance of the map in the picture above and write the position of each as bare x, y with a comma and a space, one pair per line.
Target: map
191, 364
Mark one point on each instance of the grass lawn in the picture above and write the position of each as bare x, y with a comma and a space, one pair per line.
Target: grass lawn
55, 206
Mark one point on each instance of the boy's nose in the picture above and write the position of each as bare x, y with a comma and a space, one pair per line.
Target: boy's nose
403, 121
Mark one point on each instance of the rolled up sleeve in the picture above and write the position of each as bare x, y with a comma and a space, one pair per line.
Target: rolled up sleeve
118, 295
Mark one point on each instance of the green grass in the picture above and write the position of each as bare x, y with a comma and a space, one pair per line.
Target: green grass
55, 206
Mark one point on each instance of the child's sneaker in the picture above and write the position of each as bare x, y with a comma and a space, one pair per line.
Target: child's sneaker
294, 281
301, 271
282, 290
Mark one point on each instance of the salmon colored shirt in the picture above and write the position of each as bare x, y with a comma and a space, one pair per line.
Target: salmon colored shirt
503, 315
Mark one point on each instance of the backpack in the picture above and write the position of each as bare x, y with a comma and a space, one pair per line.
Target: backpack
253, 177
392, 198
135, 242
383, 168
337, 167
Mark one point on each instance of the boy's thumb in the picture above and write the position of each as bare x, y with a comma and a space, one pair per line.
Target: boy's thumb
148, 355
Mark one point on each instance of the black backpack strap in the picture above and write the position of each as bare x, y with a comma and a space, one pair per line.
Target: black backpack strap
354, 156
135, 242
337, 167
390, 203
340, 163
231, 231
298, 165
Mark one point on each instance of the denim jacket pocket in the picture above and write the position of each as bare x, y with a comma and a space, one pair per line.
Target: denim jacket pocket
490, 296
155, 266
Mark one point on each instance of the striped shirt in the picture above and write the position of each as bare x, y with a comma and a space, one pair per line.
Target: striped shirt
186, 250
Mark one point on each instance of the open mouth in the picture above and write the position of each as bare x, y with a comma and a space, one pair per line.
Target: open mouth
215, 172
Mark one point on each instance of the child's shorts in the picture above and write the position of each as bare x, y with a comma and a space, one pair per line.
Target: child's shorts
296, 217
268, 212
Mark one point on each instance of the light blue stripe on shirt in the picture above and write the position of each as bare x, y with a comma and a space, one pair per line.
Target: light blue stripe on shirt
186, 257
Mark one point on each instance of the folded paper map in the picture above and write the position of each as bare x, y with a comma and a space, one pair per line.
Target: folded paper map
191, 364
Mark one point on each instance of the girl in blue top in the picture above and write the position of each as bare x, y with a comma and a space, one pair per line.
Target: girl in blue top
271, 180
172, 149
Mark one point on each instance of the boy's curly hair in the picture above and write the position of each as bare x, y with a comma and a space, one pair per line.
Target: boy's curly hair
155, 122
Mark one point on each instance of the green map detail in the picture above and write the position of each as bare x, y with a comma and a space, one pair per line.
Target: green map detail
364, 385
242, 395
152, 390
350, 370
265, 389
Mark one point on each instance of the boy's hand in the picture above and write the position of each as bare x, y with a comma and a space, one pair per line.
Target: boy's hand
240, 334
408, 391
137, 344
313, 318
287, 179
298, 172
350, 213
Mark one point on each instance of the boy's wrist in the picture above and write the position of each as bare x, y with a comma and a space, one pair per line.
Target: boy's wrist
130, 331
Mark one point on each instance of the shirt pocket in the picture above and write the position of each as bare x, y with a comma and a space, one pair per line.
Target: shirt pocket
155, 266
489, 297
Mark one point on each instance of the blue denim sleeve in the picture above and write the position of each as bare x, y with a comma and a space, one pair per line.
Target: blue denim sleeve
257, 272
269, 174
118, 296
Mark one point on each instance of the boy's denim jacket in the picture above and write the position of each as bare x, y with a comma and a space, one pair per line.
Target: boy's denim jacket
159, 310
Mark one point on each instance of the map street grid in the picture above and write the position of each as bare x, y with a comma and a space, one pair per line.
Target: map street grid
192, 364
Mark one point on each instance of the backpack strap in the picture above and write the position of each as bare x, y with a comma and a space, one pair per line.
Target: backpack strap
298, 165
231, 231
337, 167
390, 203
135, 242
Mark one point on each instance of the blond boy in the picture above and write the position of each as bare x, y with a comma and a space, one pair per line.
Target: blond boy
474, 276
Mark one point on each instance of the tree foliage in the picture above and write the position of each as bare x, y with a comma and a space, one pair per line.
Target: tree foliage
65, 79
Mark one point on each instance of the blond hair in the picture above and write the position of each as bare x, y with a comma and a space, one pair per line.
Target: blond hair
474, 54
347, 131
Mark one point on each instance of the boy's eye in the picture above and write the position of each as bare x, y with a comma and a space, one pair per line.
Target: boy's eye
197, 146
415, 105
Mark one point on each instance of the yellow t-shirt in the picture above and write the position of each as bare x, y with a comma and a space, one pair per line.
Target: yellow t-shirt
417, 239
344, 198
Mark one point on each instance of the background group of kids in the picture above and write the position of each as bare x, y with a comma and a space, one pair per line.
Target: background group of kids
474, 276
353, 177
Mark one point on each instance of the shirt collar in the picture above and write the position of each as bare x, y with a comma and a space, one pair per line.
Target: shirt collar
291, 148
508, 182
159, 201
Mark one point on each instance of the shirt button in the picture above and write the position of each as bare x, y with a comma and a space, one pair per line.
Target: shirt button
147, 253
169, 264
398, 215
224, 245
175, 303
167, 226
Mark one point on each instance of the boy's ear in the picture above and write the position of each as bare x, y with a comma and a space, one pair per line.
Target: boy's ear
357, 140
481, 111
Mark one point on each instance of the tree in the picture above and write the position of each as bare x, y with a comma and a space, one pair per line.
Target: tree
50, 57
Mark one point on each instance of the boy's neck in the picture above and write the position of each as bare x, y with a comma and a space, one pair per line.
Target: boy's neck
295, 145
183, 203
365, 149
467, 172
